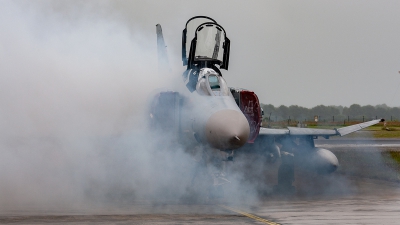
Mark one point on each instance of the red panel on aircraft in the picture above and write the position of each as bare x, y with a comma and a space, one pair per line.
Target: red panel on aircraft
250, 107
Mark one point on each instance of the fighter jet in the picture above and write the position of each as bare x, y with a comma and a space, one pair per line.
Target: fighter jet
220, 118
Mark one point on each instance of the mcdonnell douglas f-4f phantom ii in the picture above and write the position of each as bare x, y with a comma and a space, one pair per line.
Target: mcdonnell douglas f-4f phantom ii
224, 119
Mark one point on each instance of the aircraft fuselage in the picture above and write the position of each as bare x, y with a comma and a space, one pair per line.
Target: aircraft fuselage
207, 116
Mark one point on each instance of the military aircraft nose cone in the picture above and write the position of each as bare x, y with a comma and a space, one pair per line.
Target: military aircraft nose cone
227, 129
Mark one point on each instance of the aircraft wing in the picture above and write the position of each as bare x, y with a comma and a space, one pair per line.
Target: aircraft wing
296, 131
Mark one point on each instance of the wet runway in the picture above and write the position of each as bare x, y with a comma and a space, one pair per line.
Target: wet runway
357, 142
338, 199
370, 202
365, 201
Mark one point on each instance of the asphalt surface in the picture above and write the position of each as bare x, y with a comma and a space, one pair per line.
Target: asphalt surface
357, 142
368, 202
338, 199
371, 202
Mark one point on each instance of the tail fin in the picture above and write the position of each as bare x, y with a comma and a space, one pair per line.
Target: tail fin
163, 63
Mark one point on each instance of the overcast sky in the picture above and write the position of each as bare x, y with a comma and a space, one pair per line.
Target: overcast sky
289, 52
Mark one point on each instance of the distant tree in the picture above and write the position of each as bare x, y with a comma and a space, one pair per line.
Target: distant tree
340, 113
298, 112
394, 113
381, 112
345, 111
340, 108
354, 110
382, 106
283, 111
368, 111
269, 110
324, 111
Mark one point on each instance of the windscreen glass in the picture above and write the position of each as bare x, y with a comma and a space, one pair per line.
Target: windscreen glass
210, 39
214, 83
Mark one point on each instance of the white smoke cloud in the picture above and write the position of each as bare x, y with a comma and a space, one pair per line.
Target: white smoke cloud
74, 90
74, 84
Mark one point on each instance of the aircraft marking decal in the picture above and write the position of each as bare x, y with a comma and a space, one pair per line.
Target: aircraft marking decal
248, 109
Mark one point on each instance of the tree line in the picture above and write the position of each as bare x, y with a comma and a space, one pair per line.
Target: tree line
355, 112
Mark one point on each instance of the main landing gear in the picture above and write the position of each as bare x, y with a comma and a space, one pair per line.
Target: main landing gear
285, 175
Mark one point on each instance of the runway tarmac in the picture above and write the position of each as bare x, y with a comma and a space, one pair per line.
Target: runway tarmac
357, 142
339, 199
370, 202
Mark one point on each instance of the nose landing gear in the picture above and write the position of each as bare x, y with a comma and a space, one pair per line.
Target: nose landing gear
229, 156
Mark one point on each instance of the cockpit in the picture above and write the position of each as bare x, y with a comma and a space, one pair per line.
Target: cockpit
205, 46
210, 83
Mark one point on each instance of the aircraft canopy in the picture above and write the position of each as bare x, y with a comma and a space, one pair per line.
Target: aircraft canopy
204, 40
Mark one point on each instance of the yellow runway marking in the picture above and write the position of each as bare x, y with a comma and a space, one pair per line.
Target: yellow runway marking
250, 215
